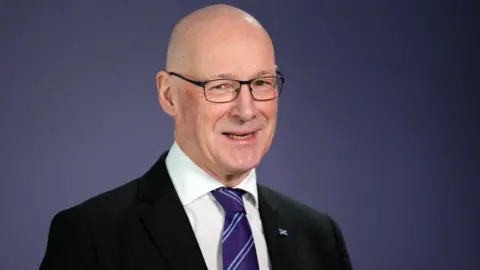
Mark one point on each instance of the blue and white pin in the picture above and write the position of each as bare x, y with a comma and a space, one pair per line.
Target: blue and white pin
282, 232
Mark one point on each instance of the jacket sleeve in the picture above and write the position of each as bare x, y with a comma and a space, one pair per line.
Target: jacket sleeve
344, 257
69, 245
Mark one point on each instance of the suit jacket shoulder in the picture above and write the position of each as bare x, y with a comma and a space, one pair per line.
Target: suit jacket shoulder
72, 237
106, 208
109, 204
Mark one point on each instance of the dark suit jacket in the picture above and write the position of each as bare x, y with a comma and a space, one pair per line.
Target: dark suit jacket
142, 225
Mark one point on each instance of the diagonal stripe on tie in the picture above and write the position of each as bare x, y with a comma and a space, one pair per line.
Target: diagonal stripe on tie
238, 245
236, 198
231, 227
228, 228
241, 255
239, 197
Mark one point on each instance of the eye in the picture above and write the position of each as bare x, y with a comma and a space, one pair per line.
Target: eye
221, 85
265, 82
260, 82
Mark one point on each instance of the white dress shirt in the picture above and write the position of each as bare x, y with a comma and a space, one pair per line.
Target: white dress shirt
206, 215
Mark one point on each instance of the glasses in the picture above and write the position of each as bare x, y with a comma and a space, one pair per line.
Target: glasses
226, 90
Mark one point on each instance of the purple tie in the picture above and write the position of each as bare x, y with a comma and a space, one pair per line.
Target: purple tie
238, 247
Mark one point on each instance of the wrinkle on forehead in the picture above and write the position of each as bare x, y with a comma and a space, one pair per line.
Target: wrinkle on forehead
190, 37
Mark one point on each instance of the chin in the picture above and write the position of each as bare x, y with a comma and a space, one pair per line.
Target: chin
241, 163
244, 167
240, 155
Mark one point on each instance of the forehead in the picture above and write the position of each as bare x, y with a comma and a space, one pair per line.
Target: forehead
241, 52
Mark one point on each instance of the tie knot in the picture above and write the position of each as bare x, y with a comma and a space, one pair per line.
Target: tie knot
230, 199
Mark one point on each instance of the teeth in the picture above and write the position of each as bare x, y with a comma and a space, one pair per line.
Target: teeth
239, 137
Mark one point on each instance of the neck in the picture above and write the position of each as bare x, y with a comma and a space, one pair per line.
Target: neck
229, 180
225, 177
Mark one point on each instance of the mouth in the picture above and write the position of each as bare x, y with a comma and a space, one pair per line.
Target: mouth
239, 135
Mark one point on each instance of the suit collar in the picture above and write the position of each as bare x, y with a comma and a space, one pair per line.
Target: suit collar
166, 220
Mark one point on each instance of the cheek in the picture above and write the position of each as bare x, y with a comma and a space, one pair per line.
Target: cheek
187, 116
270, 113
199, 115
188, 106
269, 110
213, 118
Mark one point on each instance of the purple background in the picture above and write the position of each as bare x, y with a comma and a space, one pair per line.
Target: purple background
378, 121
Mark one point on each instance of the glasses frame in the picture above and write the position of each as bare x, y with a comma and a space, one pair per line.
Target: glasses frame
249, 83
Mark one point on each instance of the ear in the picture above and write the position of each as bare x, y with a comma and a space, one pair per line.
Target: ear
164, 87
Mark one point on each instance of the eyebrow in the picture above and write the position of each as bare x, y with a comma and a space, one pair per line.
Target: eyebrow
232, 76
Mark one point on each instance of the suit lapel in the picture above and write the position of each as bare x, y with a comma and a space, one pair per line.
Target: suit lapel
166, 220
279, 234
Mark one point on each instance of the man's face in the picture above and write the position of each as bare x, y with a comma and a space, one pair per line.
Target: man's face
203, 127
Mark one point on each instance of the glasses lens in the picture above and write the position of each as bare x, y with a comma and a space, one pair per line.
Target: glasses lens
221, 90
266, 88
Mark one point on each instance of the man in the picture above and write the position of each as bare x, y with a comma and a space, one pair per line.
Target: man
199, 206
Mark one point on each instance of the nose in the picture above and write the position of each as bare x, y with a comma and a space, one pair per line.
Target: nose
244, 105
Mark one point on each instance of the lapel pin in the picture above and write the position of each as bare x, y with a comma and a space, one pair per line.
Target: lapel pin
282, 232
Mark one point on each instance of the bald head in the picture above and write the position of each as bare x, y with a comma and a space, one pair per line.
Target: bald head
198, 32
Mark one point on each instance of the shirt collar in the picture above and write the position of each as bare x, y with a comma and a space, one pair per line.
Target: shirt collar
191, 182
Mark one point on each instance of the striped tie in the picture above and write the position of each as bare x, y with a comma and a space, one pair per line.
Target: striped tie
238, 247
